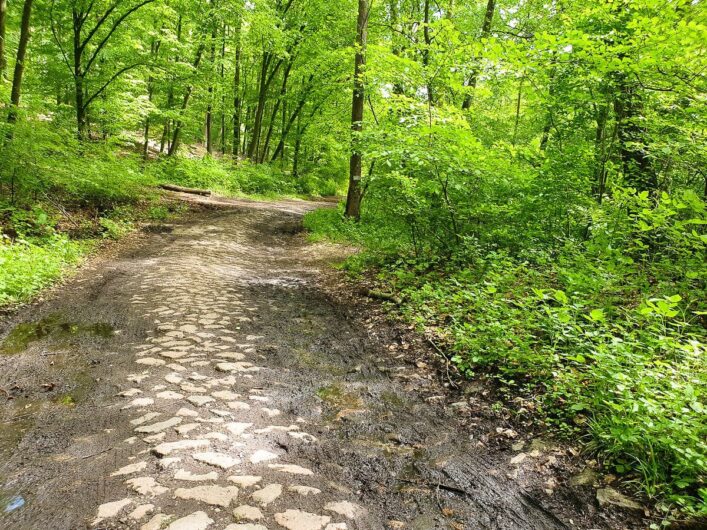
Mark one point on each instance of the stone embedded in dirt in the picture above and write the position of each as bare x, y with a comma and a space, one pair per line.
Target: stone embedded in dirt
238, 405
221, 413
292, 469
245, 481
212, 495
304, 490
586, 477
170, 447
129, 469
147, 486
195, 521
174, 355
160, 426
141, 511
233, 367
187, 412
609, 496
237, 429
345, 508
176, 367
139, 403
157, 522
305, 437
221, 437
247, 513
130, 393
276, 428
168, 394
298, 520
518, 459
200, 401
173, 378
187, 427
191, 387
267, 495
262, 399
246, 526
144, 419
111, 509
151, 361
164, 463
271, 412
233, 356
221, 460
183, 474
155, 438
225, 395
336, 526
188, 328
262, 455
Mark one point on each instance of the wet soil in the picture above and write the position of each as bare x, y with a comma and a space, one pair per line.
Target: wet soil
391, 437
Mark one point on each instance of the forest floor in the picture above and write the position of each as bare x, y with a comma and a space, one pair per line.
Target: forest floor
210, 372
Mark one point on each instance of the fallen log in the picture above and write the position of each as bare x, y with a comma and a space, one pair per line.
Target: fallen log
180, 189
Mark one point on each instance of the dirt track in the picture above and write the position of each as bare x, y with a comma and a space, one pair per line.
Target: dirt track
207, 368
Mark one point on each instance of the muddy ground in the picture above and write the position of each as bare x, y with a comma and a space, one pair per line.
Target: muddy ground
225, 331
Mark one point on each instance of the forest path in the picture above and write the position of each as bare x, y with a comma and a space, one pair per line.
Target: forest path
205, 379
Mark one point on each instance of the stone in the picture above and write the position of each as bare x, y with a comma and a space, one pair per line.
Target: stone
130, 393
292, 469
151, 361
221, 460
173, 378
226, 395
336, 526
299, 520
212, 495
518, 459
141, 511
191, 387
183, 474
238, 428
168, 394
165, 463
586, 477
170, 447
304, 490
247, 526
129, 469
305, 437
147, 486
247, 513
157, 522
345, 508
195, 521
268, 494
262, 456
144, 419
111, 509
271, 412
200, 401
238, 405
159, 427
155, 438
245, 481
187, 427
139, 403
609, 496
187, 412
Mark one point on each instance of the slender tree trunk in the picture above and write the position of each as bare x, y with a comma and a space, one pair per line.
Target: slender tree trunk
258, 119
223, 92
427, 33
20, 62
3, 59
353, 200
599, 184
298, 146
166, 133
485, 32
154, 50
237, 105
276, 108
519, 100
174, 146
210, 106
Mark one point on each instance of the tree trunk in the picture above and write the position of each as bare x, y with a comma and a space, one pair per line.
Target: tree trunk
276, 108
185, 103
3, 59
210, 106
258, 120
353, 200
237, 105
20, 62
485, 32
426, 52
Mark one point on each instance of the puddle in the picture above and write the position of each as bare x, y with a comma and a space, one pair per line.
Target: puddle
56, 327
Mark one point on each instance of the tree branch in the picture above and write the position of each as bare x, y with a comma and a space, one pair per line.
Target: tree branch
100, 22
107, 83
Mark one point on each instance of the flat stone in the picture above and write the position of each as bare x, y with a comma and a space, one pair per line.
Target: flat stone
247, 513
187, 412
139, 403
271, 412
147, 486
212, 495
246, 526
176, 367
226, 395
168, 394
292, 469
157, 522
129, 469
298, 520
336, 526
221, 460
195, 521
155, 438
245, 481
151, 361
130, 393
262, 456
183, 474
586, 477
165, 463
144, 419
170, 447
173, 354
345, 508
219, 436
238, 405
305, 437
233, 356
111, 509
141, 511
608, 496
304, 490
192, 388
159, 427
238, 428
200, 401
267, 495
173, 378
187, 427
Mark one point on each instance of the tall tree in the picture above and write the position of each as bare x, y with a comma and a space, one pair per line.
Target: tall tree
3, 59
353, 199
20, 62
485, 32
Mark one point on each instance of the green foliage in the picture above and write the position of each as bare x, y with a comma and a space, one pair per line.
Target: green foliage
26, 268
